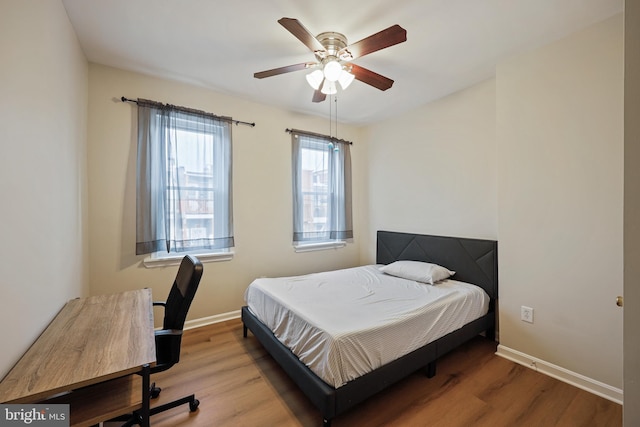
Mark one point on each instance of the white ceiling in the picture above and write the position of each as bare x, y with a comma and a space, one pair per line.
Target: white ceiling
451, 44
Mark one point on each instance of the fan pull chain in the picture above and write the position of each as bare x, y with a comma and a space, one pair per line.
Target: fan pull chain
330, 116
335, 99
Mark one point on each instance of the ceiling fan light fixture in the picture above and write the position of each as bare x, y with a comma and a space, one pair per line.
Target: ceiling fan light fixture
345, 79
329, 88
332, 70
333, 56
315, 79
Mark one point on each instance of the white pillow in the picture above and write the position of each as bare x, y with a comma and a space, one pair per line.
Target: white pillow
418, 271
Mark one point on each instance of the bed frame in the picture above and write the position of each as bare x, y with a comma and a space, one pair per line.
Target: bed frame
474, 261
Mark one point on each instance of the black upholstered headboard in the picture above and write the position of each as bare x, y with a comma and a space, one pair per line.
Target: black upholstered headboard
474, 260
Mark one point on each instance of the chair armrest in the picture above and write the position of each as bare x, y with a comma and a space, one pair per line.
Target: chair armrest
168, 332
162, 303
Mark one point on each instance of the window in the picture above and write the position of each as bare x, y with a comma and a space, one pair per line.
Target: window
184, 202
321, 189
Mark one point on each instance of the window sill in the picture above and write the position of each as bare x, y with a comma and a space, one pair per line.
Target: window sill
309, 247
163, 261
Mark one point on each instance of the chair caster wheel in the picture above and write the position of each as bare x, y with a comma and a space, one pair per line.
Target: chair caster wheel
193, 406
154, 391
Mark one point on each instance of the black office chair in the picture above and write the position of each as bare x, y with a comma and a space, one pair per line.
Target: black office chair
169, 338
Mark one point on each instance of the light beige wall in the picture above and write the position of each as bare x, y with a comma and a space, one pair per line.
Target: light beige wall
560, 169
533, 158
43, 99
631, 213
261, 192
433, 170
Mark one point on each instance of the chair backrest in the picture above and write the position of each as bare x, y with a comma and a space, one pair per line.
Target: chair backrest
182, 292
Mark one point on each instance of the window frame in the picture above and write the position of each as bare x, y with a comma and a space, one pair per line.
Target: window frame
163, 259
319, 143
187, 122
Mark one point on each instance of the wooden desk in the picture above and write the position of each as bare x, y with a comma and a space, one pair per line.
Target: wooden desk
91, 340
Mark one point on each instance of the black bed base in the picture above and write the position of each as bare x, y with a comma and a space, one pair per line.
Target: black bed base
332, 402
474, 261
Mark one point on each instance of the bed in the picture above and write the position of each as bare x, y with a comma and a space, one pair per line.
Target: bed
473, 260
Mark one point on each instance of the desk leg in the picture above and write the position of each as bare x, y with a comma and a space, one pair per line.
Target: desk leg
146, 384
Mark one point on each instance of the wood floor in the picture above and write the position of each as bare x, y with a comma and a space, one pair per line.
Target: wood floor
238, 384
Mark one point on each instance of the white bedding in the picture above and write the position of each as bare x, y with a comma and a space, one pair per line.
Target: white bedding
345, 323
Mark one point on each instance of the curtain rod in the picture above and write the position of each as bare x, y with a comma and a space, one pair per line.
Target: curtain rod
229, 119
304, 132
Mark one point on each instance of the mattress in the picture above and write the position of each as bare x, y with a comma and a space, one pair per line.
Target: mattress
345, 323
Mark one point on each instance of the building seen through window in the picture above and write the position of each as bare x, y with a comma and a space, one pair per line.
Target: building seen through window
315, 188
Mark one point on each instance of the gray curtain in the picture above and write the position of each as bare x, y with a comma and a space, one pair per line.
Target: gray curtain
321, 188
184, 198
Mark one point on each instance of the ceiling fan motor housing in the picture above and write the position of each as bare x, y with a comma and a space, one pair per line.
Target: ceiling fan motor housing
333, 43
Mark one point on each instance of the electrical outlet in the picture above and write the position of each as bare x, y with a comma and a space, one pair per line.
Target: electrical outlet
526, 314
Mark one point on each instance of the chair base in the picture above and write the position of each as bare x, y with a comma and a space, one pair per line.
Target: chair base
136, 419
191, 400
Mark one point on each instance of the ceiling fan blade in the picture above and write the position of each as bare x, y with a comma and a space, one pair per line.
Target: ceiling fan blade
297, 29
380, 40
369, 77
282, 70
318, 96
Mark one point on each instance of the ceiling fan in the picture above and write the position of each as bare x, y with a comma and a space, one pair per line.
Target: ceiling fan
334, 57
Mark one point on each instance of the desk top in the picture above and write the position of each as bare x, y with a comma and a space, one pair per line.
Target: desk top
90, 340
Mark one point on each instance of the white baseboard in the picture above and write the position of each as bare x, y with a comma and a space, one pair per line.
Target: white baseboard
562, 374
204, 321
